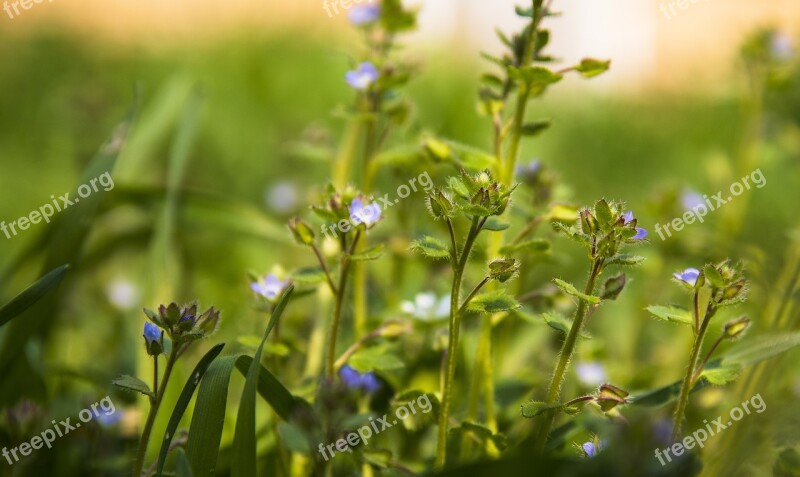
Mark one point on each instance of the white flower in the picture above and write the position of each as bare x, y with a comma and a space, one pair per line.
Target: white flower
426, 307
282, 197
591, 373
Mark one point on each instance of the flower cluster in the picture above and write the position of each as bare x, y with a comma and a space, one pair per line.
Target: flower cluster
352, 379
726, 282
476, 196
182, 325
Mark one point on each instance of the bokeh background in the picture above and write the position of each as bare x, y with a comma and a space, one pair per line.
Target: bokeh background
677, 112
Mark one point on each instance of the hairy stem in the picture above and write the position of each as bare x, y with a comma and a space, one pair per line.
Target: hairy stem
337, 310
567, 349
452, 343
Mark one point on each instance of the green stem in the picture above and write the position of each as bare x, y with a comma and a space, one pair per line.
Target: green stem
141, 453
337, 311
452, 343
567, 349
689, 380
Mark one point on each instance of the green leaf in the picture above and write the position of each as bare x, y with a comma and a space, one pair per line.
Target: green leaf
532, 409
494, 224
183, 402
529, 246
373, 253
561, 323
590, 67
132, 383
32, 294
760, 348
431, 247
672, 313
535, 128
713, 275
535, 77
722, 374
293, 438
243, 460
603, 213
664, 395
570, 289
625, 260
493, 302
375, 358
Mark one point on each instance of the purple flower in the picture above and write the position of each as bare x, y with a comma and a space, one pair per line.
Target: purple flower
688, 276
361, 78
627, 217
364, 14
108, 420
364, 214
351, 378
641, 234
591, 449
151, 333
531, 168
270, 287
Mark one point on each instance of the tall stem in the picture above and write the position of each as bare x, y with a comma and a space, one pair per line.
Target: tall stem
141, 453
337, 311
689, 380
452, 343
567, 349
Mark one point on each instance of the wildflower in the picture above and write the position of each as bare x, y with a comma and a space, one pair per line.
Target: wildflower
364, 214
361, 78
593, 447
688, 276
426, 307
152, 339
367, 382
627, 217
641, 234
591, 373
270, 287
781, 46
364, 14
530, 169
109, 420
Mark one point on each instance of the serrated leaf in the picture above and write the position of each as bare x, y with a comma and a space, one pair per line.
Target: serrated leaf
534, 77
625, 260
590, 67
132, 383
373, 253
494, 224
570, 289
493, 302
431, 247
375, 358
672, 313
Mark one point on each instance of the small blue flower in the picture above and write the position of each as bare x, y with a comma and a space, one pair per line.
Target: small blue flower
361, 78
364, 214
531, 168
781, 46
364, 14
108, 420
351, 378
589, 449
270, 287
151, 333
641, 234
688, 276
627, 217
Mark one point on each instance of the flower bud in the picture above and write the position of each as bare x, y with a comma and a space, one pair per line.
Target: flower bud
610, 396
613, 287
302, 231
208, 322
503, 269
153, 339
733, 290
439, 205
736, 328
589, 223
